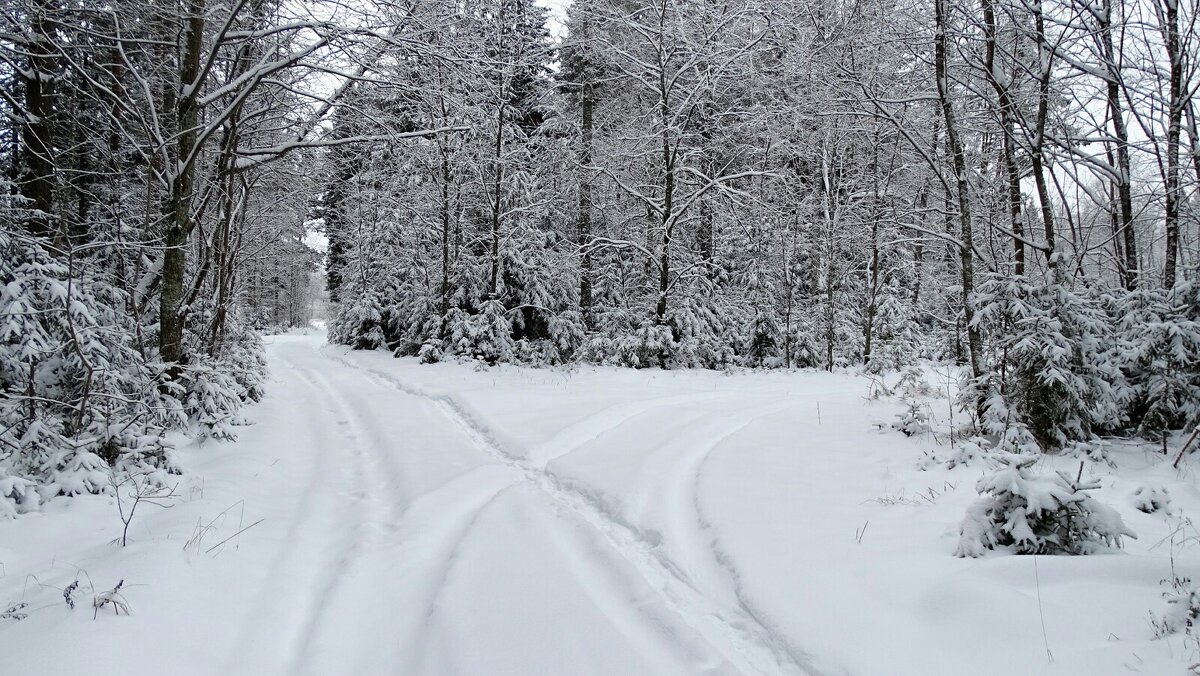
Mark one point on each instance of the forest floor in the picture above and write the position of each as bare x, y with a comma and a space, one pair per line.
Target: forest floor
406, 519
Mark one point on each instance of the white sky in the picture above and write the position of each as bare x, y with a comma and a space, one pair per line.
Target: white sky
558, 16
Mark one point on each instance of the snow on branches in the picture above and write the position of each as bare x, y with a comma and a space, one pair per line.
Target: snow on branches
1033, 513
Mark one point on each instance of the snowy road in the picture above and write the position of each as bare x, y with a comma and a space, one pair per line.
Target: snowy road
418, 545
411, 519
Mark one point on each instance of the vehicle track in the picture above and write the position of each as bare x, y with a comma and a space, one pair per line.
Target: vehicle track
306, 540
364, 512
731, 630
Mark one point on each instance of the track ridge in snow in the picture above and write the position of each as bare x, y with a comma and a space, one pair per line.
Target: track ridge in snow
580, 434
354, 536
303, 612
749, 644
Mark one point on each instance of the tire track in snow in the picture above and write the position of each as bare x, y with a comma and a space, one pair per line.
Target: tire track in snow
448, 513
591, 428
279, 598
463, 523
352, 538
681, 461
590, 561
376, 460
738, 635
685, 489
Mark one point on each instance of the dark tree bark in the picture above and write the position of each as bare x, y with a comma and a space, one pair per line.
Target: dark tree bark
959, 166
1168, 11
1123, 188
1007, 110
37, 145
177, 209
584, 220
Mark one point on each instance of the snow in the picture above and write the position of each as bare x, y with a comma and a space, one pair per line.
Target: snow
442, 519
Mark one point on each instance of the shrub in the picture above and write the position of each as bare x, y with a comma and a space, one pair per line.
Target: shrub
1037, 513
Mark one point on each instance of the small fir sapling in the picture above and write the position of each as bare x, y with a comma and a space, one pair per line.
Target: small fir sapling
763, 341
695, 328
1054, 359
1095, 450
1161, 331
359, 323
913, 384
1036, 513
486, 336
565, 334
1005, 426
914, 420
964, 454
430, 351
89, 398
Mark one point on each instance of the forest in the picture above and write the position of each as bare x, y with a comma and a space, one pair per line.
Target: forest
1012, 186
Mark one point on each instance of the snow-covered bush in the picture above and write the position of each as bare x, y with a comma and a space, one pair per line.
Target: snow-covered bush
1160, 332
69, 373
1064, 366
914, 420
83, 392
486, 336
1151, 498
17, 495
699, 335
650, 344
1052, 362
1034, 513
211, 398
963, 454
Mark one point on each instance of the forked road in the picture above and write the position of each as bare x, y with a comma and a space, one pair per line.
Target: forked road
409, 542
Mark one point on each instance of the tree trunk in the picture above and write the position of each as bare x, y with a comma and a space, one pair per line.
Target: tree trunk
37, 183
1169, 16
959, 165
873, 272
1045, 57
445, 216
1124, 189
668, 222
1009, 145
584, 223
497, 193
178, 207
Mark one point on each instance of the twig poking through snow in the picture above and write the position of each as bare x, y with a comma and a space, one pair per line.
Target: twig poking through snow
112, 598
1037, 581
209, 550
1185, 447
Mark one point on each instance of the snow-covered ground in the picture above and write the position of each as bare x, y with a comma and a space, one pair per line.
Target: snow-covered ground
448, 520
